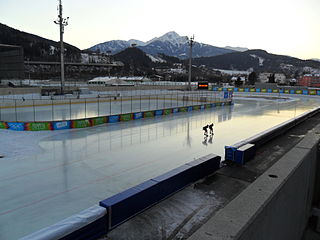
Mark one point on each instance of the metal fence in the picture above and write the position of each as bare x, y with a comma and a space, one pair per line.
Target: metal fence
32, 110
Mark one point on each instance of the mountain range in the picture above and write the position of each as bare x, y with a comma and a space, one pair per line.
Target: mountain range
170, 44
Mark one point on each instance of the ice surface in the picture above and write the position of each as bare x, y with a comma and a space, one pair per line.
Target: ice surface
48, 176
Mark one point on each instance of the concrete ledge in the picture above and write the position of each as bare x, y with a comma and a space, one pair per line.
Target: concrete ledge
275, 206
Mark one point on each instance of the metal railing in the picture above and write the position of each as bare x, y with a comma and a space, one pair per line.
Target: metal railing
35, 110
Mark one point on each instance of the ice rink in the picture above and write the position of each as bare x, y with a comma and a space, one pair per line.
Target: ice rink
48, 176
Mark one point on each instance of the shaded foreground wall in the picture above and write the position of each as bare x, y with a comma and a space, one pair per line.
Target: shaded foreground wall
275, 206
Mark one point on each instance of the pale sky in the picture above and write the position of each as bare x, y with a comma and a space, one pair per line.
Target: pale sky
287, 27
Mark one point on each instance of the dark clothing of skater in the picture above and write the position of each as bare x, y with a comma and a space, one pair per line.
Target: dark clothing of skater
211, 128
205, 129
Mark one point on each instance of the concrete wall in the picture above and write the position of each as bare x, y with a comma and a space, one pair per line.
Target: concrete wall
277, 205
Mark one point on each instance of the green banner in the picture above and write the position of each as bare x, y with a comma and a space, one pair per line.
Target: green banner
312, 92
183, 109
275, 90
38, 126
196, 107
80, 123
148, 114
298, 91
98, 121
252, 89
263, 90
230, 89
125, 117
208, 106
241, 89
3, 125
287, 91
219, 89
167, 111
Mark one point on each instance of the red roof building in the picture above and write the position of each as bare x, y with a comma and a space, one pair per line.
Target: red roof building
309, 81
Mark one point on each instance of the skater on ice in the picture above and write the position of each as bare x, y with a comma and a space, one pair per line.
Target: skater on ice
205, 129
211, 128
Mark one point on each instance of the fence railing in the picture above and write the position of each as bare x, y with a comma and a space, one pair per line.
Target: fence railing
35, 110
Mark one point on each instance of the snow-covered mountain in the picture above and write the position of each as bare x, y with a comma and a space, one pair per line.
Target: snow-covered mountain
170, 44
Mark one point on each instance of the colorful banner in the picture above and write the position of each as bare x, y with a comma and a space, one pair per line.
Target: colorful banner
158, 112
298, 91
305, 92
286, 91
16, 126
61, 125
264, 90
269, 90
225, 95
258, 90
126, 117
183, 109
114, 118
246, 89
196, 107
98, 121
167, 111
148, 114
3, 125
252, 89
83, 123
275, 90
138, 115
292, 91
313, 92
208, 106
236, 89
281, 91
175, 110
241, 90
38, 126
220, 89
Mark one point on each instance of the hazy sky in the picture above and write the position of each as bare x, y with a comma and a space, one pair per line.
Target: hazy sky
288, 27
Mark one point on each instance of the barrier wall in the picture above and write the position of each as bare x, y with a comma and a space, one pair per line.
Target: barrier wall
277, 205
88, 122
269, 90
129, 203
96, 221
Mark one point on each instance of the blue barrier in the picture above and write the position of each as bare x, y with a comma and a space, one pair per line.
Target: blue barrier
16, 126
61, 125
175, 110
129, 203
158, 112
190, 109
113, 119
138, 115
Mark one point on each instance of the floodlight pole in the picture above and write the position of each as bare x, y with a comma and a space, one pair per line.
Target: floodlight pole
62, 23
191, 42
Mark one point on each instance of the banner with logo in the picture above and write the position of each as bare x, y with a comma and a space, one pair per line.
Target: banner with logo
16, 126
167, 111
98, 121
61, 125
138, 115
148, 114
38, 126
126, 117
83, 123
3, 125
114, 118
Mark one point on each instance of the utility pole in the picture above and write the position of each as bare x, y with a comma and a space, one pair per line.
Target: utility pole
191, 42
62, 23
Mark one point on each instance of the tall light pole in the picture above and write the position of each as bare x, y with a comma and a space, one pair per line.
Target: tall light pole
62, 23
191, 43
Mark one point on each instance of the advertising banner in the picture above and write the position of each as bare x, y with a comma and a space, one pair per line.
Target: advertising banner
258, 90
220, 89
305, 92
61, 125
208, 106
281, 91
114, 118
275, 90
264, 90
287, 91
269, 90
183, 109
148, 114
98, 121
225, 95
3, 125
298, 91
312, 92
196, 107
246, 89
202, 107
190, 109
83, 123
125, 117
38, 126
230, 89
292, 91
175, 110
138, 115
167, 111
241, 90
16, 126
252, 89
158, 112
236, 89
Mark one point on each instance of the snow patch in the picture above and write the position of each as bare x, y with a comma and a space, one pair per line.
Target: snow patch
261, 60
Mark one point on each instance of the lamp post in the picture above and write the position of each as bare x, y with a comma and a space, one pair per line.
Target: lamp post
191, 43
62, 23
